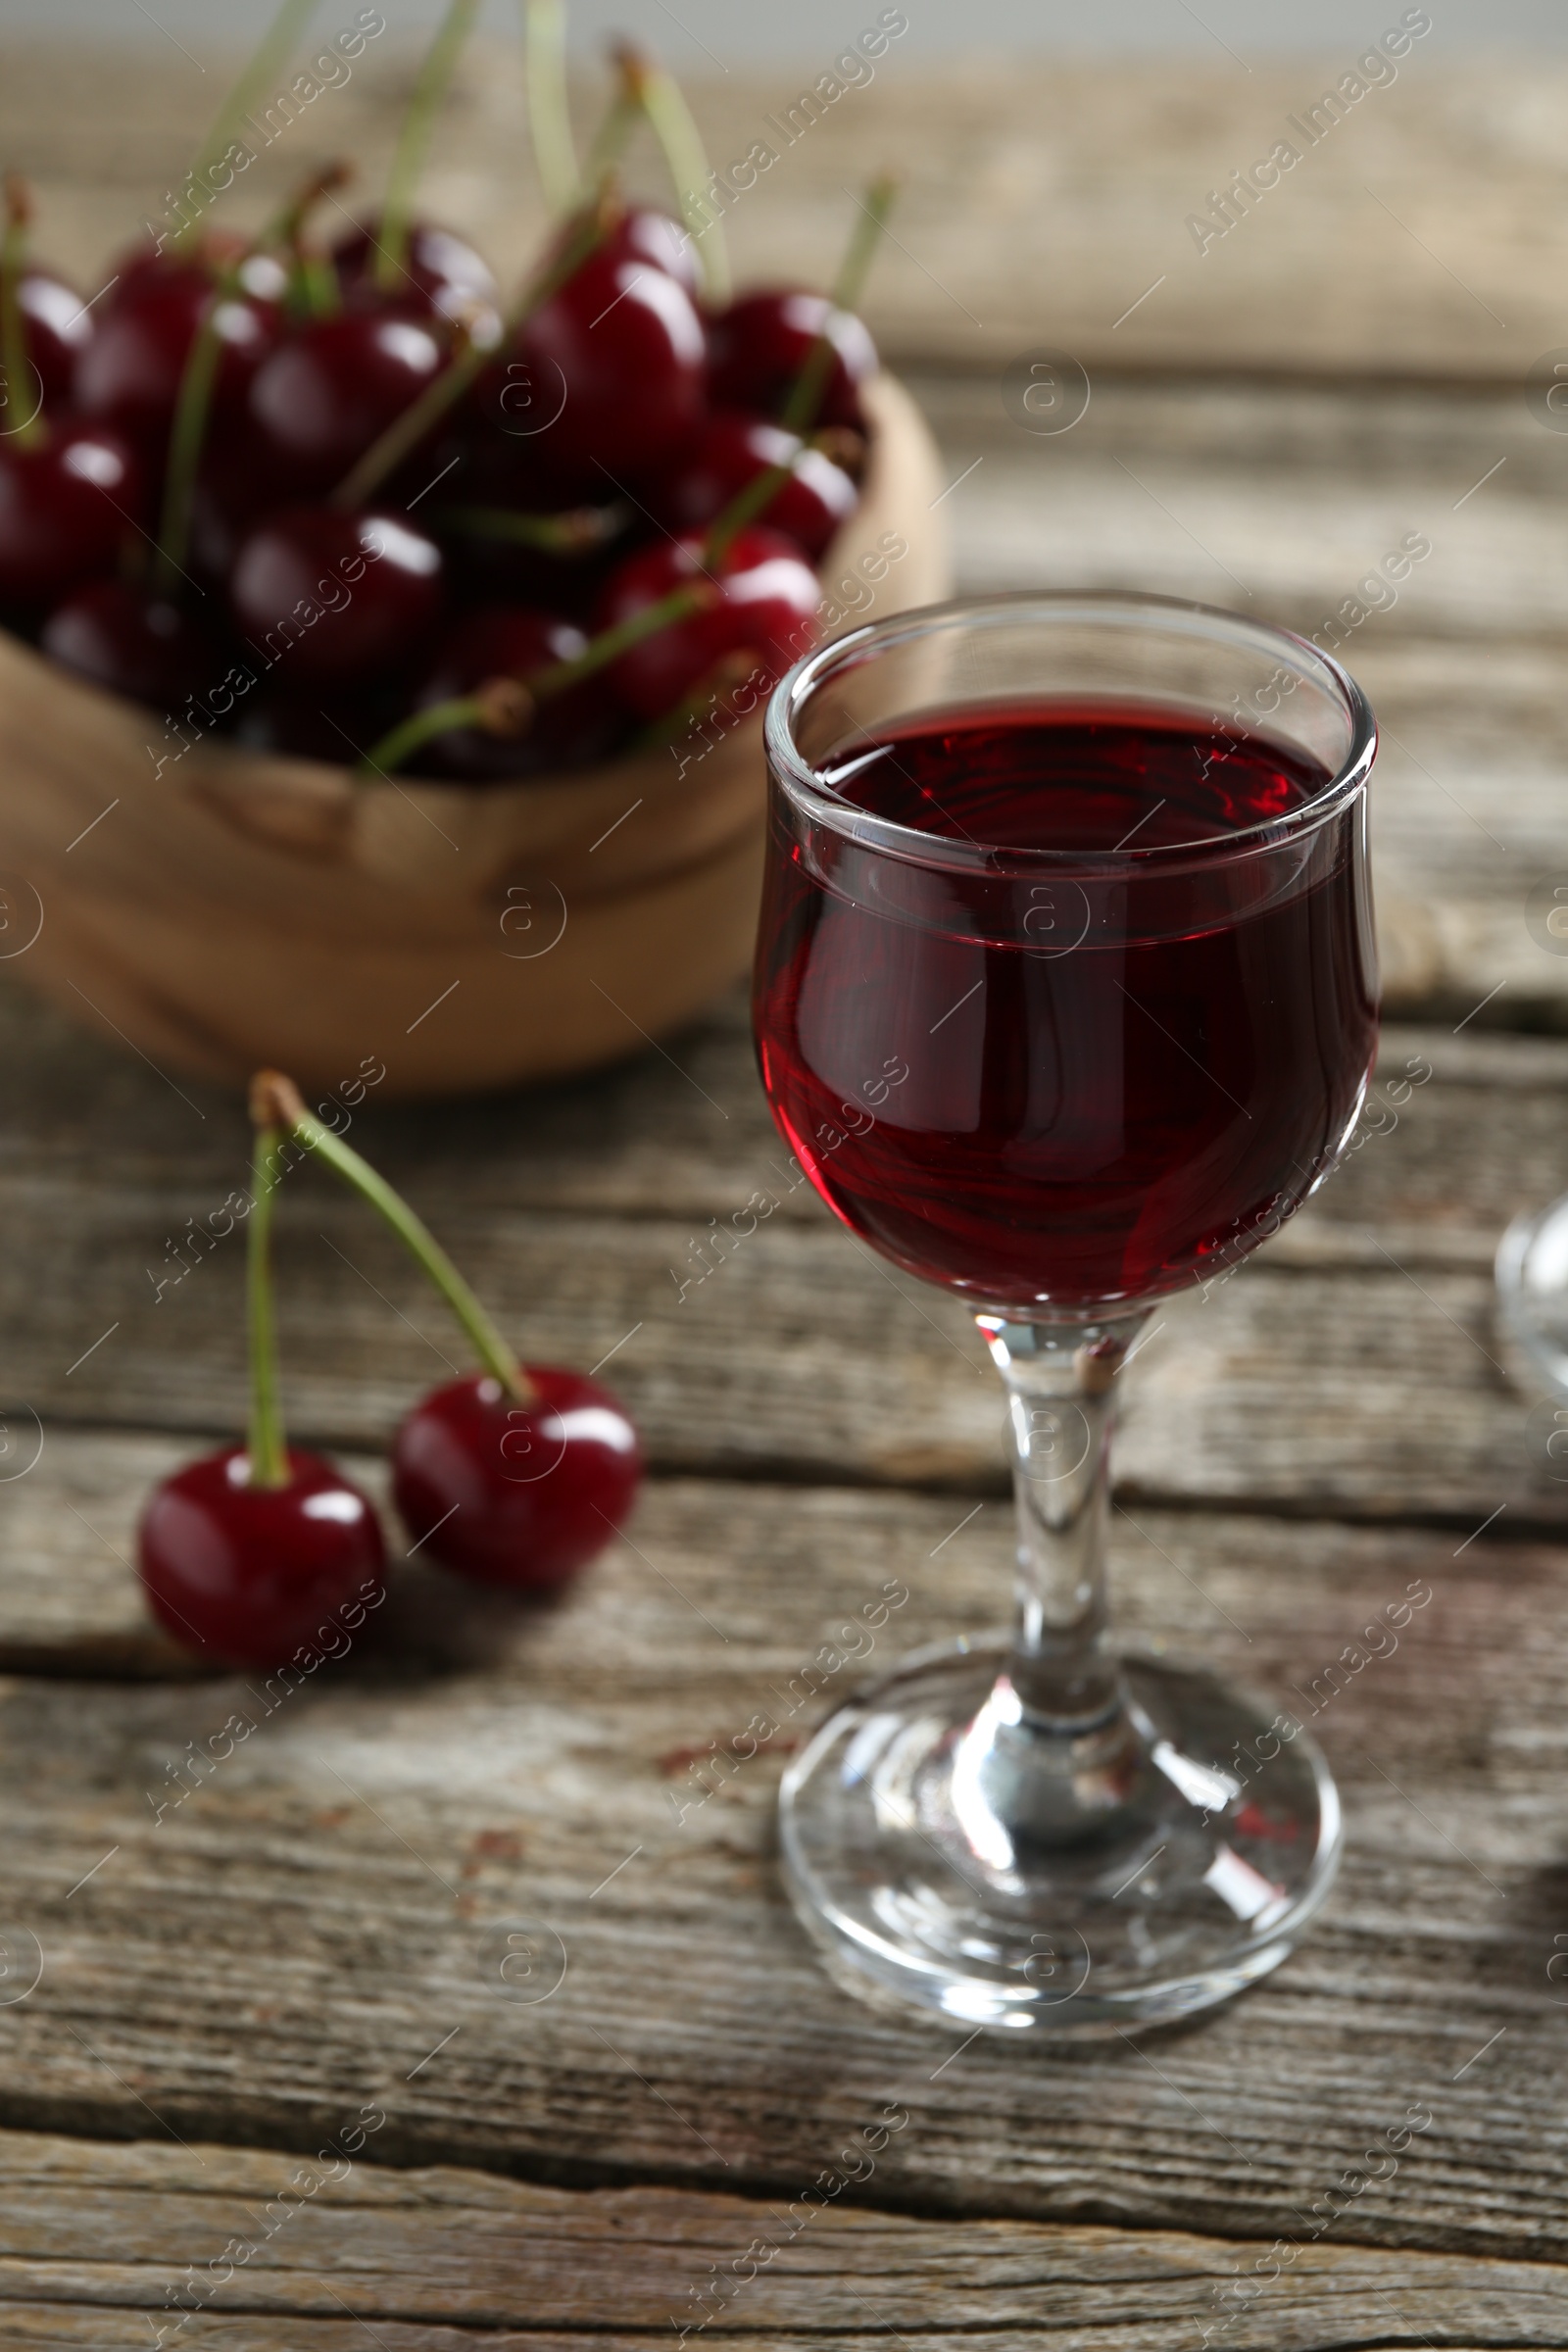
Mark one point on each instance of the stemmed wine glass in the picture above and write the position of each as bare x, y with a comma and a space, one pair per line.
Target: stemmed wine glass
1065, 997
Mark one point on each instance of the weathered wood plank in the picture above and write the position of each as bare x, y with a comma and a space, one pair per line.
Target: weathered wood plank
69, 1603
1419, 235
300, 1929
1365, 1388
1279, 500
93, 2237
1293, 1384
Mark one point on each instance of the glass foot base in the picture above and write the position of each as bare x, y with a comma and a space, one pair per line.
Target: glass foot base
1194, 1880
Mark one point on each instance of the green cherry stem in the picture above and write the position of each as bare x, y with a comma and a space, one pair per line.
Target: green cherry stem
193, 403
267, 1447
12, 327
489, 708
277, 1100
805, 394
574, 531
405, 433
698, 596
414, 142
875, 206
748, 503
544, 48
620, 118
680, 142
313, 290
501, 707
257, 79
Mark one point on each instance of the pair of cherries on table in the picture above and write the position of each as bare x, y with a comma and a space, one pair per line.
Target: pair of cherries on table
573, 484
511, 1476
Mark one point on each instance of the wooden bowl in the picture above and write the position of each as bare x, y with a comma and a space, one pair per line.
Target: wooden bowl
221, 909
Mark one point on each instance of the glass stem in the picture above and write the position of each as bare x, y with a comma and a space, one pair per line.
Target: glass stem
1054, 1748
1061, 1397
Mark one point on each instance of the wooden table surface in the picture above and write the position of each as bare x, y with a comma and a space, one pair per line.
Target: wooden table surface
270, 2082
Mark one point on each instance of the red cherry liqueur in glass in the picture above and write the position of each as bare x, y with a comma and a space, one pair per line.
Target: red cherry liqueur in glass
1131, 1099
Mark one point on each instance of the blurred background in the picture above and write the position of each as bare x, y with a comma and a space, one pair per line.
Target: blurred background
1055, 159
744, 31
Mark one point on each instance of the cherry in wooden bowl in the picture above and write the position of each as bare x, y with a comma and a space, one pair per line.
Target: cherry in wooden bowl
240, 906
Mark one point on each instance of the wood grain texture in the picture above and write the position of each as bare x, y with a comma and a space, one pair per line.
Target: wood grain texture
93, 2239
1421, 236
273, 1935
303, 1927
1279, 498
1371, 1388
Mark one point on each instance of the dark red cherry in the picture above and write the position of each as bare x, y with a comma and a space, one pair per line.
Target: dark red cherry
68, 499
734, 449
251, 1574
645, 234
515, 1495
236, 485
758, 346
505, 428
132, 271
140, 266
129, 373
768, 594
439, 274
334, 595
132, 641
616, 361
56, 327
515, 641
327, 392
